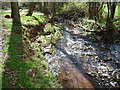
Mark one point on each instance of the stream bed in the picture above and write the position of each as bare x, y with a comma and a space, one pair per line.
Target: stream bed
82, 62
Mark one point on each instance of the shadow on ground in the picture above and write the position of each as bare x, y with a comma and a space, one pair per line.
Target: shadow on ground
14, 75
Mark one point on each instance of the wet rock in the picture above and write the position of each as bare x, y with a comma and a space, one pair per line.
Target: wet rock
47, 50
93, 74
113, 83
107, 59
116, 54
48, 36
96, 57
117, 62
90, 69
104, 75
100, 72
103, 68
107, 84
116, 74
110, 68
54, 68
116, 47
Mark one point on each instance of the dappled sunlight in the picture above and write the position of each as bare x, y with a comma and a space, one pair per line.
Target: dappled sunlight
60, 45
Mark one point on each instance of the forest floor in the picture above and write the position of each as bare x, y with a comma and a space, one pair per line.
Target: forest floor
79, 60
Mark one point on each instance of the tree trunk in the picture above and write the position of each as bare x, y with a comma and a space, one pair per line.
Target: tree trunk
95, 10
15, 12
53, 12
44, 8
110, 34
113, 7
90, 10
31, 8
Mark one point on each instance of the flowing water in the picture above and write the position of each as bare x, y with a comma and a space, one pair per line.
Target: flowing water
81, 62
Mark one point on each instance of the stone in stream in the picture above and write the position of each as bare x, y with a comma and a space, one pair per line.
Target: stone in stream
91, 71
104, 75
48, 49
93, 74
116, 54
116, 47
110, 68
103, 68
113, 83
108, 59
116, 74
